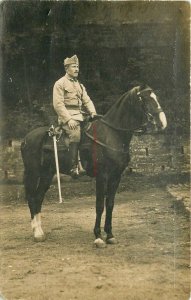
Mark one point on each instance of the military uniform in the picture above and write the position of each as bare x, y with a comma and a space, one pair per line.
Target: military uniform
69, 97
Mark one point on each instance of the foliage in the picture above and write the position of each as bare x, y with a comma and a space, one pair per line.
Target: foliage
16, 123
114, 56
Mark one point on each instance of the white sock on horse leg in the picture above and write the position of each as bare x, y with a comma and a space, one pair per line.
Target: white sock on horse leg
36, 226
38, 218
34, 223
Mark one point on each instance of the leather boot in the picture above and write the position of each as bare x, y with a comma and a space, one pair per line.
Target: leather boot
81, 170
73, 150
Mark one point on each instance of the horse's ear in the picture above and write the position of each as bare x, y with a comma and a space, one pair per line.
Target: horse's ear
144, 88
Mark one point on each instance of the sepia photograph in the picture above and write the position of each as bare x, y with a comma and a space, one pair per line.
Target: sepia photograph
95, 150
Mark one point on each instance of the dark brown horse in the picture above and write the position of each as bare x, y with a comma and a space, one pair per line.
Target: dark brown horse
104, 152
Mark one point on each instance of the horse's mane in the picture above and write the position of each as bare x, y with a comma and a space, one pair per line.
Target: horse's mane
119, 111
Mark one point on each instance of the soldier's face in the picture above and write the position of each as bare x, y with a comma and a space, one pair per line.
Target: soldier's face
73, 70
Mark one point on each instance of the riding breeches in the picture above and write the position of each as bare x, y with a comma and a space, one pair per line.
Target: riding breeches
74, 134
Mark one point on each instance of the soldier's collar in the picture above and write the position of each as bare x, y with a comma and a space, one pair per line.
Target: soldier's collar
71, 79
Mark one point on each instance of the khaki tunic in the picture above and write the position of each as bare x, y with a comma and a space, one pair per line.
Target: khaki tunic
69, 97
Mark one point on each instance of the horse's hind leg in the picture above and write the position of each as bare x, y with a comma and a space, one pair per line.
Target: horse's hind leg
113, 183
31, 182
43, 186
100, 194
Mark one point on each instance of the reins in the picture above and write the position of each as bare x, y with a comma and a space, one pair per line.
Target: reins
117, 128
104, 145
94, 136
138, 130
150, 119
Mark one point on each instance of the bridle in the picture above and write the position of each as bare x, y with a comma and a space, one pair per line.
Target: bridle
141, 129
150, 118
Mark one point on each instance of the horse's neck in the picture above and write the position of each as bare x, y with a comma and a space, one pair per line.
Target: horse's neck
126, 137
121, 114
105, 133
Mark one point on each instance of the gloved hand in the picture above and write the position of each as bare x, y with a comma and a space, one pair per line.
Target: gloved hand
72, 124
92, 115
58, 130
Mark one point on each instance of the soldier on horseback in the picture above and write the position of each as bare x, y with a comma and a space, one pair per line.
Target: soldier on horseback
105, 146
69, 96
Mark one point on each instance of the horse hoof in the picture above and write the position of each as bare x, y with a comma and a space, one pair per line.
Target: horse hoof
99, 243
40, 238
111, 241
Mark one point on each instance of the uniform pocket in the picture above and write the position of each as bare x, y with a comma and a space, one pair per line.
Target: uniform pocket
69, 90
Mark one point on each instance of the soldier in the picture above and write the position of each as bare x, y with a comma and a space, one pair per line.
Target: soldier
69, 95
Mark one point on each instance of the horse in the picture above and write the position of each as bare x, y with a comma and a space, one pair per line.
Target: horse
104, 153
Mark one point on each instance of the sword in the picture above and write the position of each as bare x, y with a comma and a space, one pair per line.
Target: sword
52, 133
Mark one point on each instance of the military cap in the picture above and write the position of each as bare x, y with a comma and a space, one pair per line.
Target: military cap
71, 60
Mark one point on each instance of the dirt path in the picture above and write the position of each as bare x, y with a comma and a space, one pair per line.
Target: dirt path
150, 261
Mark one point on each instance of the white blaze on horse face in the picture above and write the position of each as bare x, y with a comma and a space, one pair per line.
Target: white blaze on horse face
163, 119
162, 116
154, 97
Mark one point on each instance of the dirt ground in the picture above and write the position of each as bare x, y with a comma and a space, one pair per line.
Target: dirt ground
150, 260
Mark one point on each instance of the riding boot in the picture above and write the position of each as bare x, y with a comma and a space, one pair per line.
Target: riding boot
81, 170
73, 150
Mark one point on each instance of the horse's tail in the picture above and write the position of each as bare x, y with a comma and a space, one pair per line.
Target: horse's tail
31, 152
31, 147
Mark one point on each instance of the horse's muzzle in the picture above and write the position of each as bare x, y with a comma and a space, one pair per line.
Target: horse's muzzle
163, 120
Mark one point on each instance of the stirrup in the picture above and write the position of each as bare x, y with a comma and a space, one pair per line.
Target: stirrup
82, 172
74, 173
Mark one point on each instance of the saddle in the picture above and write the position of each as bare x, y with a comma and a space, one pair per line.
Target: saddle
63, 140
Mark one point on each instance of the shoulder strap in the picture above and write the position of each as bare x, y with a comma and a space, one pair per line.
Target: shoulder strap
81, 88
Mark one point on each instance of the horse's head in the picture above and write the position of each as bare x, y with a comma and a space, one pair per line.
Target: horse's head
137, 110
154, 118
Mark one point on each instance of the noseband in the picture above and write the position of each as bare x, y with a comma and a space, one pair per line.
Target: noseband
150, 118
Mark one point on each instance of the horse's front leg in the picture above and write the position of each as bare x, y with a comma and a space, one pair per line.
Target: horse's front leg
113, 183
37, 229
100, 194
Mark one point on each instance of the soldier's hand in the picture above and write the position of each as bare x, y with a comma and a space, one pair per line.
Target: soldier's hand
72, 124
92, 115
